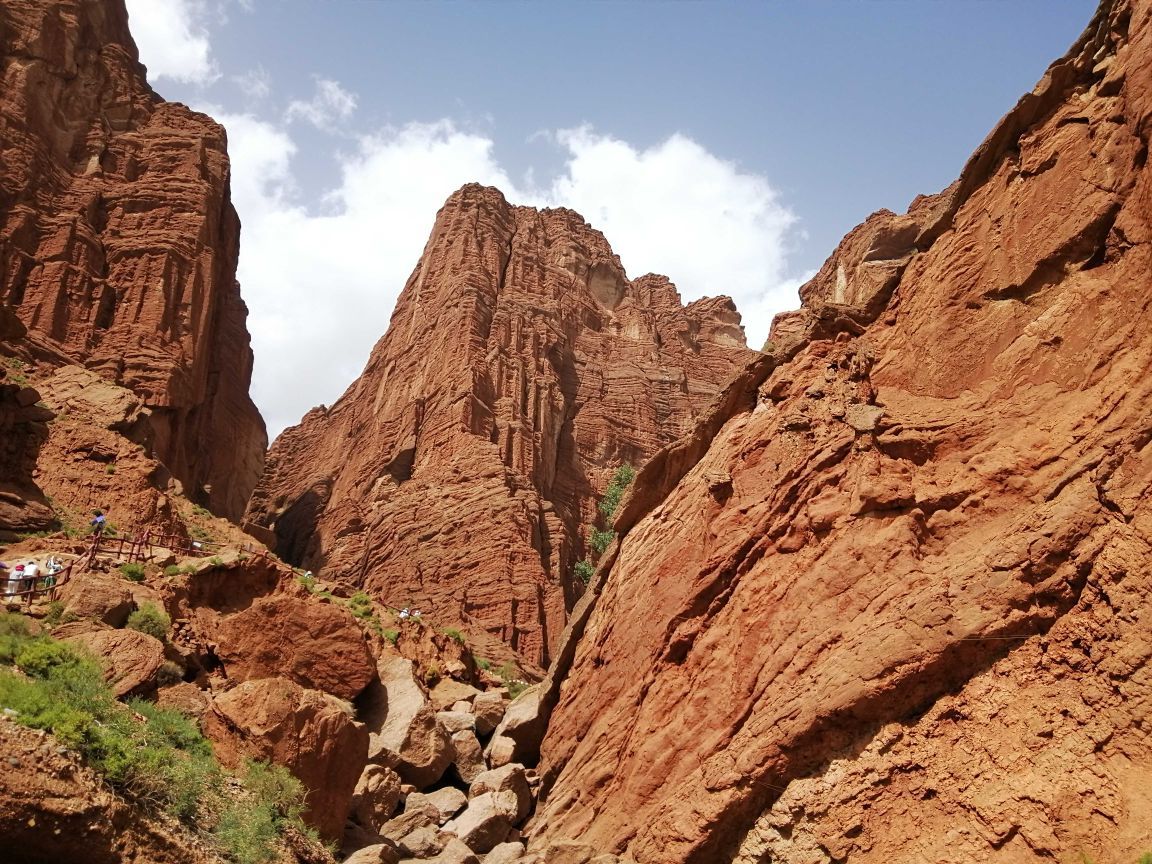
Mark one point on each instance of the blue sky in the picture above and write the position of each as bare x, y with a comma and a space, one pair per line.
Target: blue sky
728, 145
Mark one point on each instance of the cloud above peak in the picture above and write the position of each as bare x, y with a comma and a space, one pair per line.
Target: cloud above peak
173, 39
321, 280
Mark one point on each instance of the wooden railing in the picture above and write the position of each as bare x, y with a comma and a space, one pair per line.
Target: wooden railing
139, 547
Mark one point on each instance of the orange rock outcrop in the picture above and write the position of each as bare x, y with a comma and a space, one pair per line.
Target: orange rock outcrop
460, 472
118, 243
891, 601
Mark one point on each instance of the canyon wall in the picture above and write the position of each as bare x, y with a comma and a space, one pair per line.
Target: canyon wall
521, 366
118, 242
891, 600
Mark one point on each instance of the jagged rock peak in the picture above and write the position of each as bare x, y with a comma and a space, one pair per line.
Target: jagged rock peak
890, 600
118, 242
521, 367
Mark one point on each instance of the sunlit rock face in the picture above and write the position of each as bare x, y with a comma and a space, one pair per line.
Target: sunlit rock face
892, 601
118, 242
459, 473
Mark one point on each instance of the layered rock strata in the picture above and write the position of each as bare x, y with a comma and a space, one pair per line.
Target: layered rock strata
118, 243
890, 601
460, 472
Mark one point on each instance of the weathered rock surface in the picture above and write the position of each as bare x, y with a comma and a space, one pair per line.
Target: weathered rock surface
317, 645
309, 733
460, 471
99, 596
130, 659
118, 243
23, 431
890, 600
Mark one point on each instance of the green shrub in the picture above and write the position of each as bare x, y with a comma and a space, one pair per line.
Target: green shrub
132, 571
360, 605
484, 663
455, 635
1146, 858
615, 491
14, 635
247, 833
584, 571
601, 540
216, 561
168, 674
202, 512
392, 636
55, 613
172, 570
150, 619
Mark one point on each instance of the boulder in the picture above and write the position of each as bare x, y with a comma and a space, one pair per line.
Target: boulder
484, 823
448, 691
500, 751
505, 853
376, 796
507, 780
456, 721
489, 709
455, 852
523, 725
318, 645
100, 596
131, 659
378, 853
447, 801
402, 721
184, 697
308, 732
422, 843
468, 755
419, 815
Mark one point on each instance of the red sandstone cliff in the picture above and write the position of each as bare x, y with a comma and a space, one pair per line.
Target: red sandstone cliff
118, 243
892, 600
461, 470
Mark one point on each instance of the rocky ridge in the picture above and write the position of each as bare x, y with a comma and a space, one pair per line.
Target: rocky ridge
460, 472
889, 600
118, 243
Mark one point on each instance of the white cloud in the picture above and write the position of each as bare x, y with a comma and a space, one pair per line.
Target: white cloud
329, 103
255, 84
678, 210
173, 39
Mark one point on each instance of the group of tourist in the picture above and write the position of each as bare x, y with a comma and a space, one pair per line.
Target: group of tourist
22, 577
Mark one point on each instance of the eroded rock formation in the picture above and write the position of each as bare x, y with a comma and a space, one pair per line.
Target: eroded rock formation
460, 472
118, 243
891, 600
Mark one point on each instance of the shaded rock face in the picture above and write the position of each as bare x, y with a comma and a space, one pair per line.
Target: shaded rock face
118, 243
521, 366
892, 602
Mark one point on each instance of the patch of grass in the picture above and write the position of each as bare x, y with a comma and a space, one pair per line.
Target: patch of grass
510, 675
110, 468
150, 619
392, 636
202, 512
216, 561
584, 570
484, 663
1146, 858
201, 534
168, 674
132, 571
455, 635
